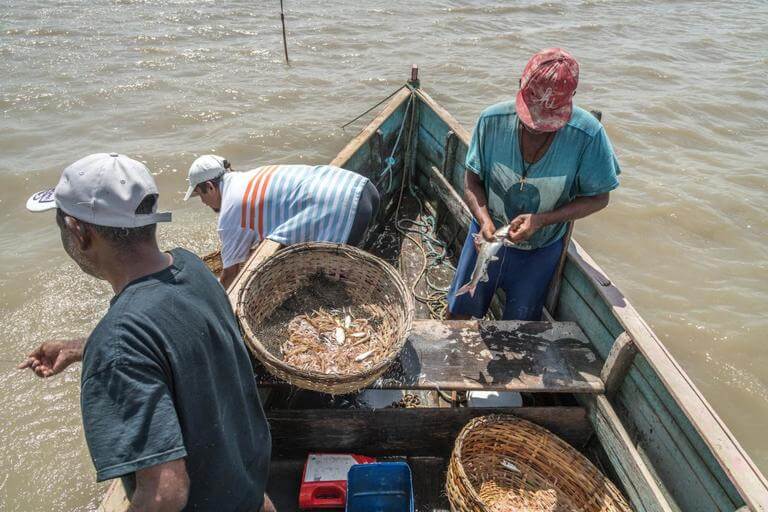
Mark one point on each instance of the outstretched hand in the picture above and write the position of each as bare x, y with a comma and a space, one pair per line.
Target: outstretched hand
53, 357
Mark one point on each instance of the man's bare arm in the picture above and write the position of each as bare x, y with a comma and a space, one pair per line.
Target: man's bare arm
161, 488
474, 193
229, 274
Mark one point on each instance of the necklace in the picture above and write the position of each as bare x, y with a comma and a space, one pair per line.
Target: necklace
536, 155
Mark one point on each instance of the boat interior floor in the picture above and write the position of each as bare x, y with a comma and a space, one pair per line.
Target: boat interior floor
428, 474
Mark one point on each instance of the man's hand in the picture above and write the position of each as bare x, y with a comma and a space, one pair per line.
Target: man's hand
487, 231
523, 227
52, 357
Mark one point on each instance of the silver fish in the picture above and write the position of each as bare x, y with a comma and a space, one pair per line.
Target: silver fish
487, 254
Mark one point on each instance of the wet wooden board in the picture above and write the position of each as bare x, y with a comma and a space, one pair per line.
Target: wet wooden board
492, 355
420, 431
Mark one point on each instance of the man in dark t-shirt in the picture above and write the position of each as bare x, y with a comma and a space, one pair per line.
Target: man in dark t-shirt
168, 397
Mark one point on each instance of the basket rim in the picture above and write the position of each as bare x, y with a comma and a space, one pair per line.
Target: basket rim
493, 419
261, 352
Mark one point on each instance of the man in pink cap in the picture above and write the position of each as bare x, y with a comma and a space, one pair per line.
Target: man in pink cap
535, 163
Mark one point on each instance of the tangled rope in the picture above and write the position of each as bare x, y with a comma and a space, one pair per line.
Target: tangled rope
434, 254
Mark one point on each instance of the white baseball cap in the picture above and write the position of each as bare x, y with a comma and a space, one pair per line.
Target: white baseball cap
206, 167
103, 189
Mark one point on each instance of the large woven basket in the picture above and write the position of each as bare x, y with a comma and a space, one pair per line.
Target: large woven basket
551, 475
366, 279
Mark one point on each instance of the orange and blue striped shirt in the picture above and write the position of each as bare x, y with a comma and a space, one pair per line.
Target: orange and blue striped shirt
287, 204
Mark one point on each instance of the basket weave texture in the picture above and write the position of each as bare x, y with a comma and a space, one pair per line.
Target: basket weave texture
552, 476
366, 279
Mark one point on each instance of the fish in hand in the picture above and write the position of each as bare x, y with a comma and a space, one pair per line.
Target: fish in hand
486, 255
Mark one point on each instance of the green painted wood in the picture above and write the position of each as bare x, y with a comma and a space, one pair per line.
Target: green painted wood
360, 161
431, 122
657, 448
432, 148
661, 443
654, 390
676, 451
435, 131
638, 482
572, 307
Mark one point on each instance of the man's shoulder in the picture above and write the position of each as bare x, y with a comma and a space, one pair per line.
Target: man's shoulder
502, 109
584, 122
111, 342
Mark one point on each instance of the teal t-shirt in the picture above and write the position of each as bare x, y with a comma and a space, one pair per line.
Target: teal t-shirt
579, 162
166, 375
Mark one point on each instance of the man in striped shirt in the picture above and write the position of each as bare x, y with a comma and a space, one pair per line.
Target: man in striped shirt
285, 203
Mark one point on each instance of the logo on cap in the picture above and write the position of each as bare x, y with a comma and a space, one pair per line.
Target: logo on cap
44, 196
545, 99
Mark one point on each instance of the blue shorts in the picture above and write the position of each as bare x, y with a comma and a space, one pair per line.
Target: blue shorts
523, 275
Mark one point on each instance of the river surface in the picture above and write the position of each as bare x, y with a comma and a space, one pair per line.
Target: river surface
682, 85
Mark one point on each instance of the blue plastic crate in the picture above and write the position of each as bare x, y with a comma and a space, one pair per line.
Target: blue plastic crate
380, 487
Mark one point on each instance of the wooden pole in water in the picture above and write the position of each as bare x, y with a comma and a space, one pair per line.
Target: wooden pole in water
285, 43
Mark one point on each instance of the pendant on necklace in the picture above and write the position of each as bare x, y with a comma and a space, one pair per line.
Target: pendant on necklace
522, 182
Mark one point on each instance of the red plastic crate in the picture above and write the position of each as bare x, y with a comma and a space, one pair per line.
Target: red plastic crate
324, 480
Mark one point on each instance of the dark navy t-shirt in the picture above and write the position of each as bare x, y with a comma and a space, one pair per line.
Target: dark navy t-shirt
166, 375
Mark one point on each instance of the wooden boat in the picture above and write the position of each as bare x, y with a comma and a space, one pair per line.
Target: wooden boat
594, 373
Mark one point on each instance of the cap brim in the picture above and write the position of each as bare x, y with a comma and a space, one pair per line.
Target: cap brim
190, 192
545, 120
42, 201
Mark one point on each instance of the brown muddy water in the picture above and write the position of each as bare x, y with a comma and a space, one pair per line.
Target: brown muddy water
682, 85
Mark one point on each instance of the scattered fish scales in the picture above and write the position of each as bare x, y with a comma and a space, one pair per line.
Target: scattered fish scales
335, 341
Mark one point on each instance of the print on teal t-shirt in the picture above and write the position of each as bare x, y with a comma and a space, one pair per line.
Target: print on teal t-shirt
579, 162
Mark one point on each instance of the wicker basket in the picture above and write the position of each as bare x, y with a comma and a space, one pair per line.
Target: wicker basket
551, 475
366, 278
213, 262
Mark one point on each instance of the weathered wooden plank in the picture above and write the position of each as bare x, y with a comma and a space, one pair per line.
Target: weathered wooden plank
572, 307
687, 438
449, 158
657, 427
617, 364
417, 431
432, 121
658, 439
491, 355
641, 486
362, 138
665, 447
554, 287
433, 149
440, 187
501, 355
369, 158
445, 116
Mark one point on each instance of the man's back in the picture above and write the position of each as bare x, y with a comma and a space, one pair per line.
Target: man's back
166, 375
287, 204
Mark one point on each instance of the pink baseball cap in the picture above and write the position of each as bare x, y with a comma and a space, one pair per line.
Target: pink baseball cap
545, 99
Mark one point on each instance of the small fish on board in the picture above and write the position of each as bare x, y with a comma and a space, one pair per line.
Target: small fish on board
486, 255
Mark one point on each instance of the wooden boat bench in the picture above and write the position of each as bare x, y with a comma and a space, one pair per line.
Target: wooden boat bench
551, 357
459, 355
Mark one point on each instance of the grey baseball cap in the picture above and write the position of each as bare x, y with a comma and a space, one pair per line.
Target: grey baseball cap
206, 167
103, 189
